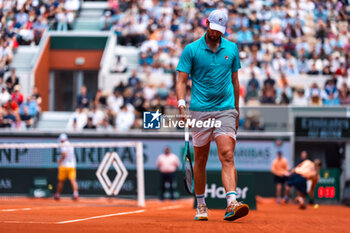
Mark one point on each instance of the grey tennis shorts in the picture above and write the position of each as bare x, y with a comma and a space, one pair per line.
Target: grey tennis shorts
202, 135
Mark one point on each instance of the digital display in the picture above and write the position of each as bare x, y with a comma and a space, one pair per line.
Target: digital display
326, 192
315, 127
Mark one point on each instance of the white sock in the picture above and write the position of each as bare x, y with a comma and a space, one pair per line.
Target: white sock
200, 199
76, 193
230, 196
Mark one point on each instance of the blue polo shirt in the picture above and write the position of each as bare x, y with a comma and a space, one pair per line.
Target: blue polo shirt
212, 88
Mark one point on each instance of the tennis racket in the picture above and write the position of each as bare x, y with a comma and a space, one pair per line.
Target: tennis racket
187, 168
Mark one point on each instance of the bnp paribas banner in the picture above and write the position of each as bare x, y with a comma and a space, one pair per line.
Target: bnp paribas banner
250, 155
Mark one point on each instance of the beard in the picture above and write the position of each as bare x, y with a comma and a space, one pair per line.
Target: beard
214, 38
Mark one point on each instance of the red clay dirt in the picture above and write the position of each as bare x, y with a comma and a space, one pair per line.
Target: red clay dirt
94, 215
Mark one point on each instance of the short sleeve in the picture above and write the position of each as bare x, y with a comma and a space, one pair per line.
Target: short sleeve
64, 149
185, 63
236, 64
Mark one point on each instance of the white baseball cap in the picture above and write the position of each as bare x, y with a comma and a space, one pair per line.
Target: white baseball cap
218, 20
63, 137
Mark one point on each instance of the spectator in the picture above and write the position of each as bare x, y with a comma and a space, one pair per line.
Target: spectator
125, 119
9, 117
115, 101
244, 36
62, 19
4, 96
344, 97
331, 101
2, 84
27, 118
11, 104
77, 120
3, 123
268, 95
253, 81
269, 80
133, 79
171, 101
121, 64
105, 126
83, 99
100, 99
315, 99
97, 116
90, 124
38, 29
12, 81
252, 94
149, 91
330, 88
17, 95
300, 99
18, 124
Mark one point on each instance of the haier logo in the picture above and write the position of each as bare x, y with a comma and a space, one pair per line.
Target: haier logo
219, 192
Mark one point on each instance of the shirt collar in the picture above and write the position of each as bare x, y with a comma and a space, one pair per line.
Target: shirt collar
205, 46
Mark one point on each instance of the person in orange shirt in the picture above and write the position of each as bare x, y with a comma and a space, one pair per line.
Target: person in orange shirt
306, 170
280, 170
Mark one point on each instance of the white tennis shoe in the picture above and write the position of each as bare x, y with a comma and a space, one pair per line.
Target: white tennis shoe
201, 213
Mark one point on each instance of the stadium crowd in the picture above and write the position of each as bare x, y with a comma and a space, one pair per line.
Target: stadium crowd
16, 110
23, 22
278, 40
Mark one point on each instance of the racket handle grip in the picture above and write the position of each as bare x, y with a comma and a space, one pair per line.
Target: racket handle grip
187, 134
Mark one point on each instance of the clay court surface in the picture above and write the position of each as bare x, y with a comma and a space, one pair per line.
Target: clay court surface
111, 215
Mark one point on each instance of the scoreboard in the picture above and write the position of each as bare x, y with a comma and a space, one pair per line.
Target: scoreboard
328, 186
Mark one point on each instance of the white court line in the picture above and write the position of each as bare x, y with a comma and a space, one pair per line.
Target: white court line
170, 207
31, 222
101, 216
10, 210
89, 218
40, 208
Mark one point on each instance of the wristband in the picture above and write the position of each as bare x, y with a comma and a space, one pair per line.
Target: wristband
181, 102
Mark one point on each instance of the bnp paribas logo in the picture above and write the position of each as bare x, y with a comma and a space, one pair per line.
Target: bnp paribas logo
152, 120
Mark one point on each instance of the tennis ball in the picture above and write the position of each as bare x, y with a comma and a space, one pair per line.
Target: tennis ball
316, 206
49, 187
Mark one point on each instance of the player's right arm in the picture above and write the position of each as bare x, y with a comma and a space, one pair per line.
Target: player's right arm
184, 68
63, 156
273, 167
181, 89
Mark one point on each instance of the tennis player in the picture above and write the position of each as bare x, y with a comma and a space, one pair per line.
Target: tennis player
66, 170
213, 62
305, 171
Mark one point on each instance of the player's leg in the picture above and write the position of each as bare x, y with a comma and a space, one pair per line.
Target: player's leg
162, 186
301, 199
286, 192
201, 154
171, 188
59, 188
199, 169
278, 192
73, 180
61, 177
226, 146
